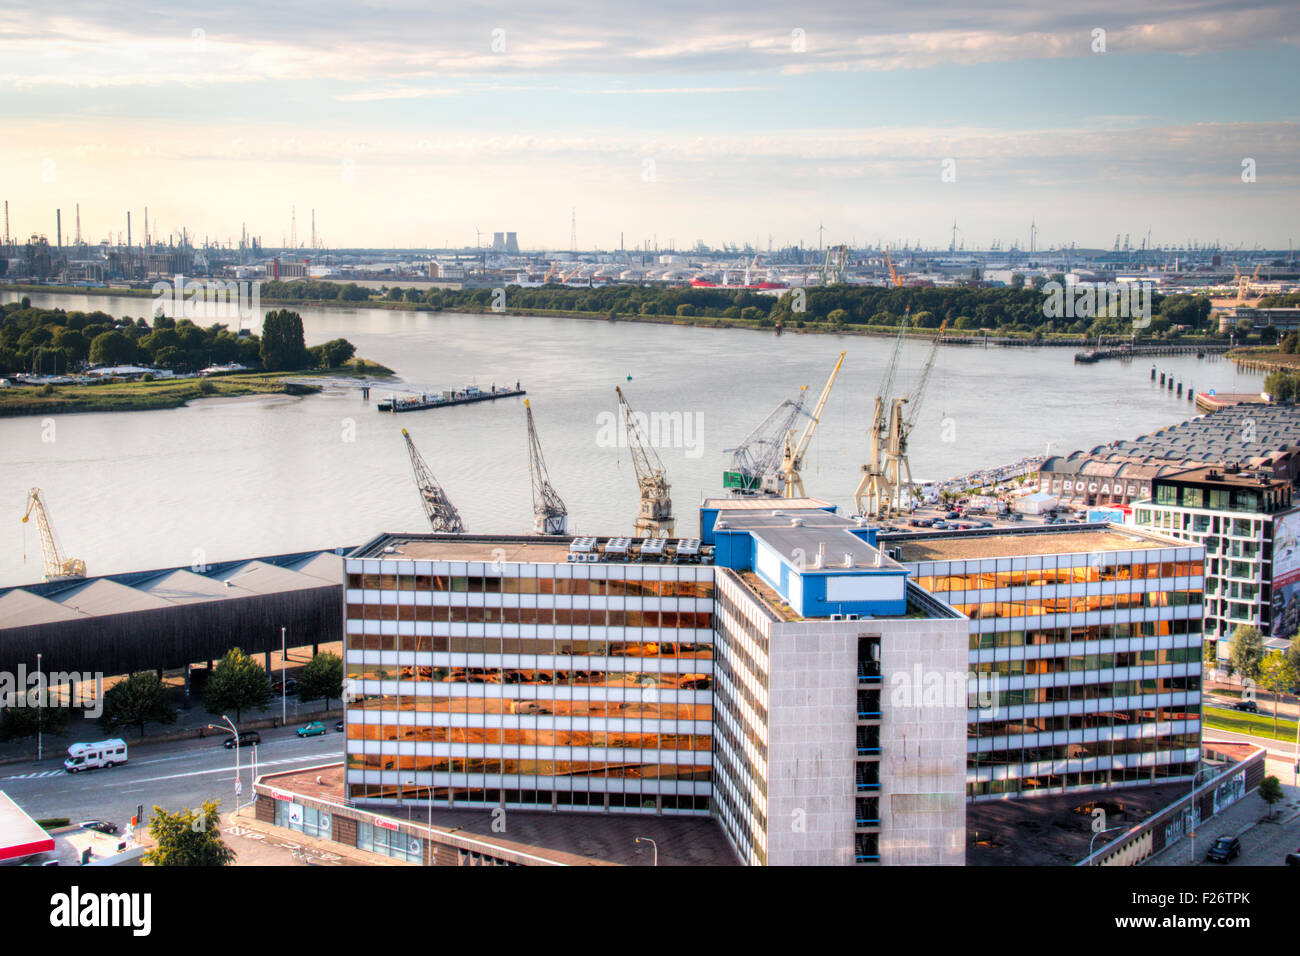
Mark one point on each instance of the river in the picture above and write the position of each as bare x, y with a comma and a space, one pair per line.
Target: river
224, 479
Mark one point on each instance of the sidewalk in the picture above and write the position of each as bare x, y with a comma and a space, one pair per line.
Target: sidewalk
1265, 840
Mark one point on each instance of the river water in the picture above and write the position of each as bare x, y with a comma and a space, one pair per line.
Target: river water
225, 479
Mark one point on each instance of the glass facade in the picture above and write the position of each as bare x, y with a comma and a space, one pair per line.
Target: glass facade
530, 685
1085, 668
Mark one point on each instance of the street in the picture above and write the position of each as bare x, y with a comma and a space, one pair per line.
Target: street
173, 775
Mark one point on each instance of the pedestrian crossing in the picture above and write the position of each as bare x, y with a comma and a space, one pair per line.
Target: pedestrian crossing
37, 773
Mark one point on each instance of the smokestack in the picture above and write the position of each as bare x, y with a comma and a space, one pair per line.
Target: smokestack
128, 229
78, 223
58, 228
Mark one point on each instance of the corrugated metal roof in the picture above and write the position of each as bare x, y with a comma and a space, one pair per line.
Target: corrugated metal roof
21, 609
109, 597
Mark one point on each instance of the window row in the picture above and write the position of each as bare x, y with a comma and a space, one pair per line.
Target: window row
1079, 605
1099, 691
1055, 783
558, 616
1089, 662
513, 736
528, 768
636, 708
545, 647
492, 584
494, 797
975, 581
535, 678
1105, 719
1119, 630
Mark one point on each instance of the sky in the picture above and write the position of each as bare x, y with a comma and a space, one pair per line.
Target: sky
407, 124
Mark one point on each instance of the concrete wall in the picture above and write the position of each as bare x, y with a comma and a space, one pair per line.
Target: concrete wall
923, 742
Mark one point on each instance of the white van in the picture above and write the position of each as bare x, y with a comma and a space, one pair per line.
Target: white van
104, 753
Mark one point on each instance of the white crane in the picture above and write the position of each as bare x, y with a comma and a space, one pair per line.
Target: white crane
756, 462
792, 456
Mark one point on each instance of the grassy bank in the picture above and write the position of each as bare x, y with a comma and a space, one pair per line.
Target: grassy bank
168, 393
1257, 725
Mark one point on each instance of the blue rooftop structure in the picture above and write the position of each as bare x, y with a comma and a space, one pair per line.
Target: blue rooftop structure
820, 563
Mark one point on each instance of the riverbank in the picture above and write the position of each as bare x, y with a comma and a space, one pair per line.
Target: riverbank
1269, 359
144, 396
975, 337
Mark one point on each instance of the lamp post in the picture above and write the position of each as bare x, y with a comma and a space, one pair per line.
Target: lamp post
654, 845
284, 686
1196, 776
235, 733
1121, 826
39, 725
428, 799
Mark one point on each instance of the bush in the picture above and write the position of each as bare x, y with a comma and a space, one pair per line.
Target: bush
48, 389
52, 823
207, 388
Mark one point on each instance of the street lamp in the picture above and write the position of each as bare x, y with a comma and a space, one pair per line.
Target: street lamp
652, 844
39, 715
1195, 777
429, 800
1121, 826
235, 733
284, 686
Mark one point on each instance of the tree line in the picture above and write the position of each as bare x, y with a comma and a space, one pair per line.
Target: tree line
54, 342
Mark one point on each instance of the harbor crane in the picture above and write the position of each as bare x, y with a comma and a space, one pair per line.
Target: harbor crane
793, 452
655, 519
57, 567
756, 462
889, 264
442, 514
550, 516
875, 490
901, 423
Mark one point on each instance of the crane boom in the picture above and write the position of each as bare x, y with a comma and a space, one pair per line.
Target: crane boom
56, 566
914, 400
550, 516
655, 518
442, 514
756, 462
792, 460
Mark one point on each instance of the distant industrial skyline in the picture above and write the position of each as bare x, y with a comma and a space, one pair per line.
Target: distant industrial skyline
657, 121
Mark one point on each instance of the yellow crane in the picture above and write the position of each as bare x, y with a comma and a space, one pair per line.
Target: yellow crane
893, 273
550, 273
57, 568
792, 459
655, 519
876, 489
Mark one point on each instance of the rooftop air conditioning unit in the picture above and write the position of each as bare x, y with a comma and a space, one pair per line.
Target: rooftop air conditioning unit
850, 617
837, 617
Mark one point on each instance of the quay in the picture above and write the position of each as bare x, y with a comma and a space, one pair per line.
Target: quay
451, 396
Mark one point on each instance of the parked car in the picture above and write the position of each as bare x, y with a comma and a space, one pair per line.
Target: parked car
246, 739
101, 826
289, 686
1224, 850
314, 729
1293, 859
952, 514
938, 523
1249, 706
338, 727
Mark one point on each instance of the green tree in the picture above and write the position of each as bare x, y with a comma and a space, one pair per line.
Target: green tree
282, 346
322, 678
685, 309
1276, 674
19, 721
112, 348
1282, 386
236, 682
188, 837
1246, 653
136, 701
1270, 791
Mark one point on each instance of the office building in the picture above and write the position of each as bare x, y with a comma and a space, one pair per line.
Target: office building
1249, 530
1085, 653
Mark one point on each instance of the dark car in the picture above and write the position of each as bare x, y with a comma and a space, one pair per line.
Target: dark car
101, 826
1293, 859
289, 686
1249, 706
1223, 850
952, 514
246, 739
339, 727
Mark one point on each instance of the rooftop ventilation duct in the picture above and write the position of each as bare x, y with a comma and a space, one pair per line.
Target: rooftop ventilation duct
848, 560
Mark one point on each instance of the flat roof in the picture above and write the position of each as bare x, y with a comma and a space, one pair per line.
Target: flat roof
764, 503
958, 546
815, 530
19, 834
1212, 475
513, 549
